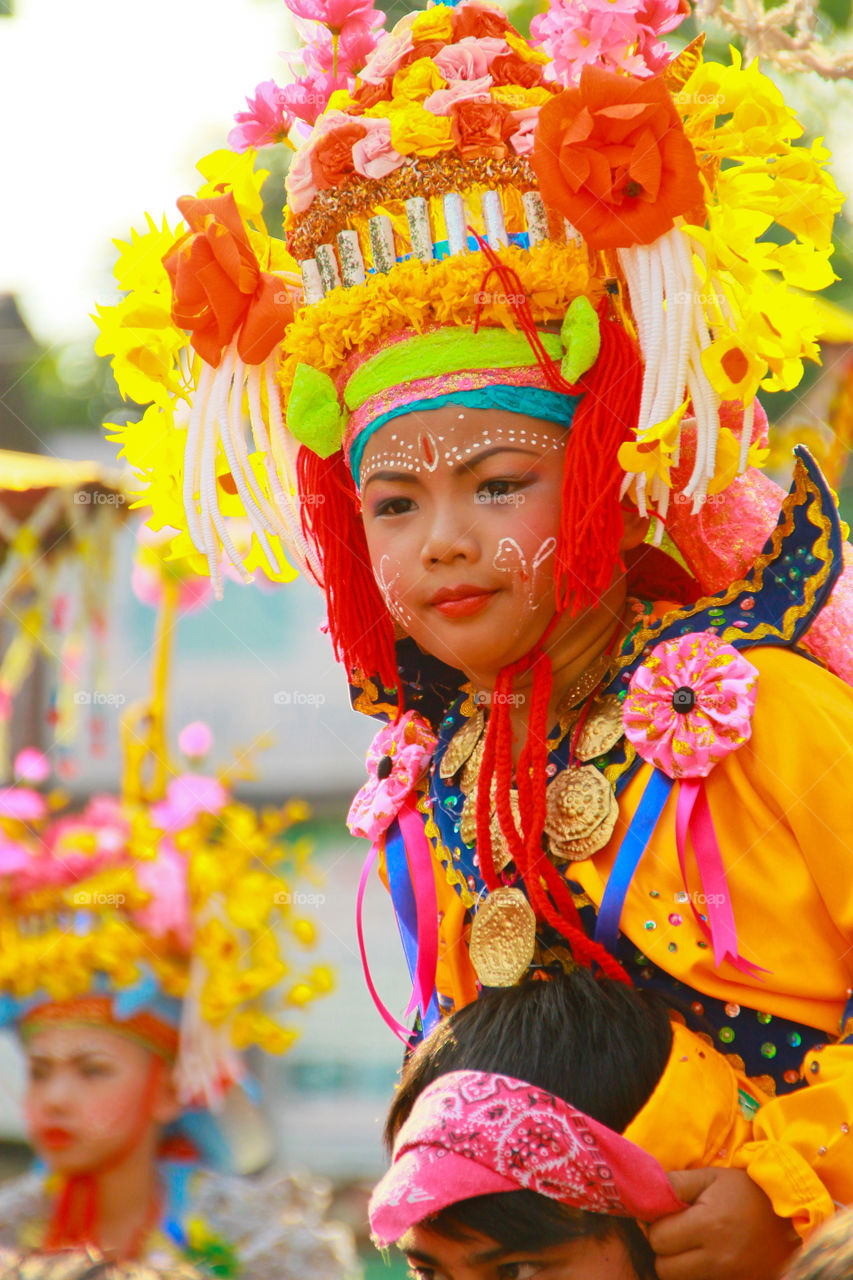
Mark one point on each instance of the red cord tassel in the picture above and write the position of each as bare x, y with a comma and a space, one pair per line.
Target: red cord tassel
359, 622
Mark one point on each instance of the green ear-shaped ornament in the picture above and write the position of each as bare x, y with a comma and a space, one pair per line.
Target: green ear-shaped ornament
581, 337
314, 414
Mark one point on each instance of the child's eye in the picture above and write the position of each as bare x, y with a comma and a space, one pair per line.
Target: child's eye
499, 488
94, 1069
518, 1270
38, 1072
393, 507
420, 1273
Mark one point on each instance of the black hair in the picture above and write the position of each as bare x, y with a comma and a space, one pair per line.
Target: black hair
595, 1043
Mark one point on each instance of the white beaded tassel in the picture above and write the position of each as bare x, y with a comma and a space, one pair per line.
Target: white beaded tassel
352, 263
327, 261
535, 216
382, 243
456, 223
312, 284
493, 217
417, 215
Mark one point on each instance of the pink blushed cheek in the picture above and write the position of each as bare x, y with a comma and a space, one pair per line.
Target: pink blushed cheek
110, 1115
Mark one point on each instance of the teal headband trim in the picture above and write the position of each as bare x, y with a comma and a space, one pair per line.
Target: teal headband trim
535, 402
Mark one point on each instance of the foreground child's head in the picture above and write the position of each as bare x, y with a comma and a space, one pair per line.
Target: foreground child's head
530, 1086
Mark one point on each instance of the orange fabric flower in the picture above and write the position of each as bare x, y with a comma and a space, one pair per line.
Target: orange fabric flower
369, 95
478, 129
471, 20
331, 158
218, 287
612, 157
511, 68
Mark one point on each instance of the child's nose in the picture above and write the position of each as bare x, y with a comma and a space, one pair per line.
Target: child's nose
450, 537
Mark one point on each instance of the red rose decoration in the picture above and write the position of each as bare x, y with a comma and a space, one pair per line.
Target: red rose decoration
478, 129
612, 157
472, 20
331, 159
511, 68
426, 49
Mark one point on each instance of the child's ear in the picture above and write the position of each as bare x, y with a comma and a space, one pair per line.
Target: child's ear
166, 1106
635, 527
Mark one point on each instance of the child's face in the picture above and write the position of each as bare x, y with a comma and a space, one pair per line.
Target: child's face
477, 1257
461, 510
87, 1091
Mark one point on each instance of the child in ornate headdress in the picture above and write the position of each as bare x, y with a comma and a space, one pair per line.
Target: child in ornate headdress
506, 415
138, 956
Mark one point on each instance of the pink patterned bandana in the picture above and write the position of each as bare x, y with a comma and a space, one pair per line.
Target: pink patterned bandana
472, 1134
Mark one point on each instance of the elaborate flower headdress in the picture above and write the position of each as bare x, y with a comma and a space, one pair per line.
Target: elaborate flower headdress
593, 214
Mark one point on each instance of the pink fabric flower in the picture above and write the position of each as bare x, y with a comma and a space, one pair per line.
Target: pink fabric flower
385, 59
442, 102
194, 593
195, 739
470, 59
524, 122
373, 155
14, 857
267, 121
299, 183
22, 804
186, 797
166, 880
690, 704
397, 759
31, 765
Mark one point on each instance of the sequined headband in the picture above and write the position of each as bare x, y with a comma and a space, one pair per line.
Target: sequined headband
144, 1028
326, 415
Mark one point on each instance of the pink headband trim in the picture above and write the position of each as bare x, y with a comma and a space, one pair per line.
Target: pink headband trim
472, 1134
440, 385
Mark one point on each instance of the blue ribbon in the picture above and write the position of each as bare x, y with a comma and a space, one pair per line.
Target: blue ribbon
633, 847
406, 911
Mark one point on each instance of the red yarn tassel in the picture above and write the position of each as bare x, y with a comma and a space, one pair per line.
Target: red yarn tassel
591, 522
359, 622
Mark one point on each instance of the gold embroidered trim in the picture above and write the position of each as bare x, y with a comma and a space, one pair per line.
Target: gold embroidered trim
454, 878
367, 701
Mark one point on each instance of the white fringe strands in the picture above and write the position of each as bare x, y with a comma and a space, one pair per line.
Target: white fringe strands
673, 333
228, 403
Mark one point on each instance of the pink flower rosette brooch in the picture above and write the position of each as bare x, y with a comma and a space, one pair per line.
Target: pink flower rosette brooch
396, 761
690, 704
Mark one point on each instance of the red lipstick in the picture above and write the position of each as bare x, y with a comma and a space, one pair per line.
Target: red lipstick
55, 1139
461, 601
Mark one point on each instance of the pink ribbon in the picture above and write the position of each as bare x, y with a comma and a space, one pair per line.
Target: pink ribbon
419, 858
693, 821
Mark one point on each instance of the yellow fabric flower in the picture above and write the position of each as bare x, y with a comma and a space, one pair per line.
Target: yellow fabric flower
728, 459
732, 368
524, 50
433, 24
652, 456
516, 97
224, 171
418, 80
415, 131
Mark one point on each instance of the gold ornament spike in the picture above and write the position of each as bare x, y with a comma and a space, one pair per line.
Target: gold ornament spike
503, 937
461, 745
602, 728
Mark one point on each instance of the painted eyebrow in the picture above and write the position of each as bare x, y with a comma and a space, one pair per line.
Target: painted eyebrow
403, 477
42, 1060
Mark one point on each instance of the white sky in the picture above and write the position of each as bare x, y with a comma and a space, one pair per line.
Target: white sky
105, 107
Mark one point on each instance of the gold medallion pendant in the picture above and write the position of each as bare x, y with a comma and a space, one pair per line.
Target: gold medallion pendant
602, 728
580, 813
503, 937
461, 745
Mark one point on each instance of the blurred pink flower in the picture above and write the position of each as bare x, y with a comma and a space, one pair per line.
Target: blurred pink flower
31, 765
195, 739
616, 34
337, 15
470, 59
307, 98
267, 121
22, 804
14, 857
186, 797
166, 880
442, 101
195, 591
373, 155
